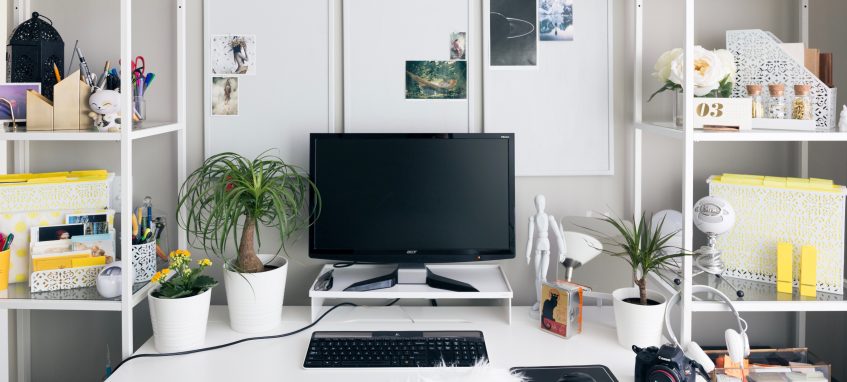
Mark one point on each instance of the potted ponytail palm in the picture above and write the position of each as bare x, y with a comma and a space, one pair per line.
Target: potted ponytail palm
222, 203
639, 312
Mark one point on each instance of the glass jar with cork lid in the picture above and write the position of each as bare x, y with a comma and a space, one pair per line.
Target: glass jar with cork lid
777, 104
755, 94
801, 106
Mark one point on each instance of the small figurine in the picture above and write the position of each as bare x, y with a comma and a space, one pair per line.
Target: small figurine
544, 224
106, 109
842, 119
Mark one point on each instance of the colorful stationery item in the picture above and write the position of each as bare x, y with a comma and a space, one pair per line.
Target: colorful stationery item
784, 266
808, 270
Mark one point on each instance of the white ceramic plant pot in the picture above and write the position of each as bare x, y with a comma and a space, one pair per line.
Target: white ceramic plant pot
255, 299
639, 325
179, 324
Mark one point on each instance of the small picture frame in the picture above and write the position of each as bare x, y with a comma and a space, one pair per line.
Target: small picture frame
13, 98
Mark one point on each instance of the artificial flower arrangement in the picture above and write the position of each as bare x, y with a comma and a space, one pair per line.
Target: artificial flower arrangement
714, 72
185, 282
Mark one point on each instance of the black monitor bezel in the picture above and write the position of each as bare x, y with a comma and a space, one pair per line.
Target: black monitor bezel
406, 255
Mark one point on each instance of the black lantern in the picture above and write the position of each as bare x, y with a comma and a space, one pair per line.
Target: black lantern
35, 46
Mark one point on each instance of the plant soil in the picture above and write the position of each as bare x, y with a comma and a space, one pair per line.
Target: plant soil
637, 301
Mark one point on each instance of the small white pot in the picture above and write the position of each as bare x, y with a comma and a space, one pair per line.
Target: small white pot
639, 325
179, 324
255, 299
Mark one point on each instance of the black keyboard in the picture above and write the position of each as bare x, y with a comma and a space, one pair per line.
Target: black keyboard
394, 349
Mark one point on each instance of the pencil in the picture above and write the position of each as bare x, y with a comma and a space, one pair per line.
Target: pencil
56, 72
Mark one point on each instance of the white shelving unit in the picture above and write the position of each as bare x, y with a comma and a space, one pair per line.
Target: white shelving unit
18, 298
688, 137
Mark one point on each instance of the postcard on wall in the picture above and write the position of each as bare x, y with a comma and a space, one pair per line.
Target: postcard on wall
457, 45
95, 224
436, 80
555, 20
513, 37
233, 54
15, 93
224, 96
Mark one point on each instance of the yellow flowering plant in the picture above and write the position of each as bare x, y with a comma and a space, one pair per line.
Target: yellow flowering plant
186, 281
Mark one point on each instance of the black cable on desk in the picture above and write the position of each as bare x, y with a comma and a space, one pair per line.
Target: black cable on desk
307, 327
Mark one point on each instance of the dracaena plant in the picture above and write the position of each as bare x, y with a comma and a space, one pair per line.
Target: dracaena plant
644, 248
230, 193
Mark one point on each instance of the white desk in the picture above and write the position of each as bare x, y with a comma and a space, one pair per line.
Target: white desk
518, 344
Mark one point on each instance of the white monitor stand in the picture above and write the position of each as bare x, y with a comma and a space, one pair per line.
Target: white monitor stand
412, 273
488, 280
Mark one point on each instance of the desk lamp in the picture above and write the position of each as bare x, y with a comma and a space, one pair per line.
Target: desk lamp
581, 248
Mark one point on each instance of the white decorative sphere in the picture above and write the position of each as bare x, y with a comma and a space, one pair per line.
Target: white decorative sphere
713, 215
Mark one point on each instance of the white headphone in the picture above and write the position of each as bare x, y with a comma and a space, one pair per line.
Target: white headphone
737, 344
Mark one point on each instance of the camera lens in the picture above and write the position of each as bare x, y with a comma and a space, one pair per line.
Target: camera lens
661, 374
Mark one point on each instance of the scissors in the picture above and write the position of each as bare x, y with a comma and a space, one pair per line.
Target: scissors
138, 68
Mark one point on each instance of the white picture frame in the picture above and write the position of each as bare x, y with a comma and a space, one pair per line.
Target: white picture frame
516, 100
369, 110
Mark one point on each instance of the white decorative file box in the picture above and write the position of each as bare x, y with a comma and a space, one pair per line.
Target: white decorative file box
761, 61
29, 200
770, 210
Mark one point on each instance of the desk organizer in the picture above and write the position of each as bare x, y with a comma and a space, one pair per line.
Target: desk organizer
490, 280
144, 261
770, 210
28, 200
761, 61
794, 364
39, 112
70, 104
69, 278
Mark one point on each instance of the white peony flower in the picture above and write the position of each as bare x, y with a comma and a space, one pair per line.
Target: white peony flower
708, 71
663, 64
728, 62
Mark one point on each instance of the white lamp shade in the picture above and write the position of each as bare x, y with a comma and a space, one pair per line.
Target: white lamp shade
581, 247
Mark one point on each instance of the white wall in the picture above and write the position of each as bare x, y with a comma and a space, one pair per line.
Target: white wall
56, 333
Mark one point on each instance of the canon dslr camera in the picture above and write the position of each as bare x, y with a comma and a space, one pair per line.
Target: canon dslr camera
665, 364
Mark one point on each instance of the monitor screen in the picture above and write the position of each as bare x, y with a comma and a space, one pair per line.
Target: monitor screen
402, 198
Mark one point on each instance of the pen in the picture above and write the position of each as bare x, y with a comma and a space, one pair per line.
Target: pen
56, 72
9, 241
2, 241
148, 202
148, 80
83, 66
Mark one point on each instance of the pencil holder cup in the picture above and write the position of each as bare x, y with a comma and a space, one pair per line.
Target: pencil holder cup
70, 104
4, 269
140, 109
144, 261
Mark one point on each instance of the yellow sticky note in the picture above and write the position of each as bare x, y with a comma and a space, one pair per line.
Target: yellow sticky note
88, 261
784, 277
808, 270
56, 262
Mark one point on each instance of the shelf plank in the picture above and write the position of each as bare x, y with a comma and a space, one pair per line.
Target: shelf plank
759, 296
668, 129
18, 296
147, 129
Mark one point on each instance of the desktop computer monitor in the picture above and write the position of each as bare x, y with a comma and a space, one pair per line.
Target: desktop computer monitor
413, 199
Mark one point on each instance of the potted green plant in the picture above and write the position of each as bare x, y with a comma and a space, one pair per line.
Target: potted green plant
639, 312
222, 203
179, 306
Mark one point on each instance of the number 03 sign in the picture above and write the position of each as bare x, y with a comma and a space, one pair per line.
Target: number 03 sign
723, 113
